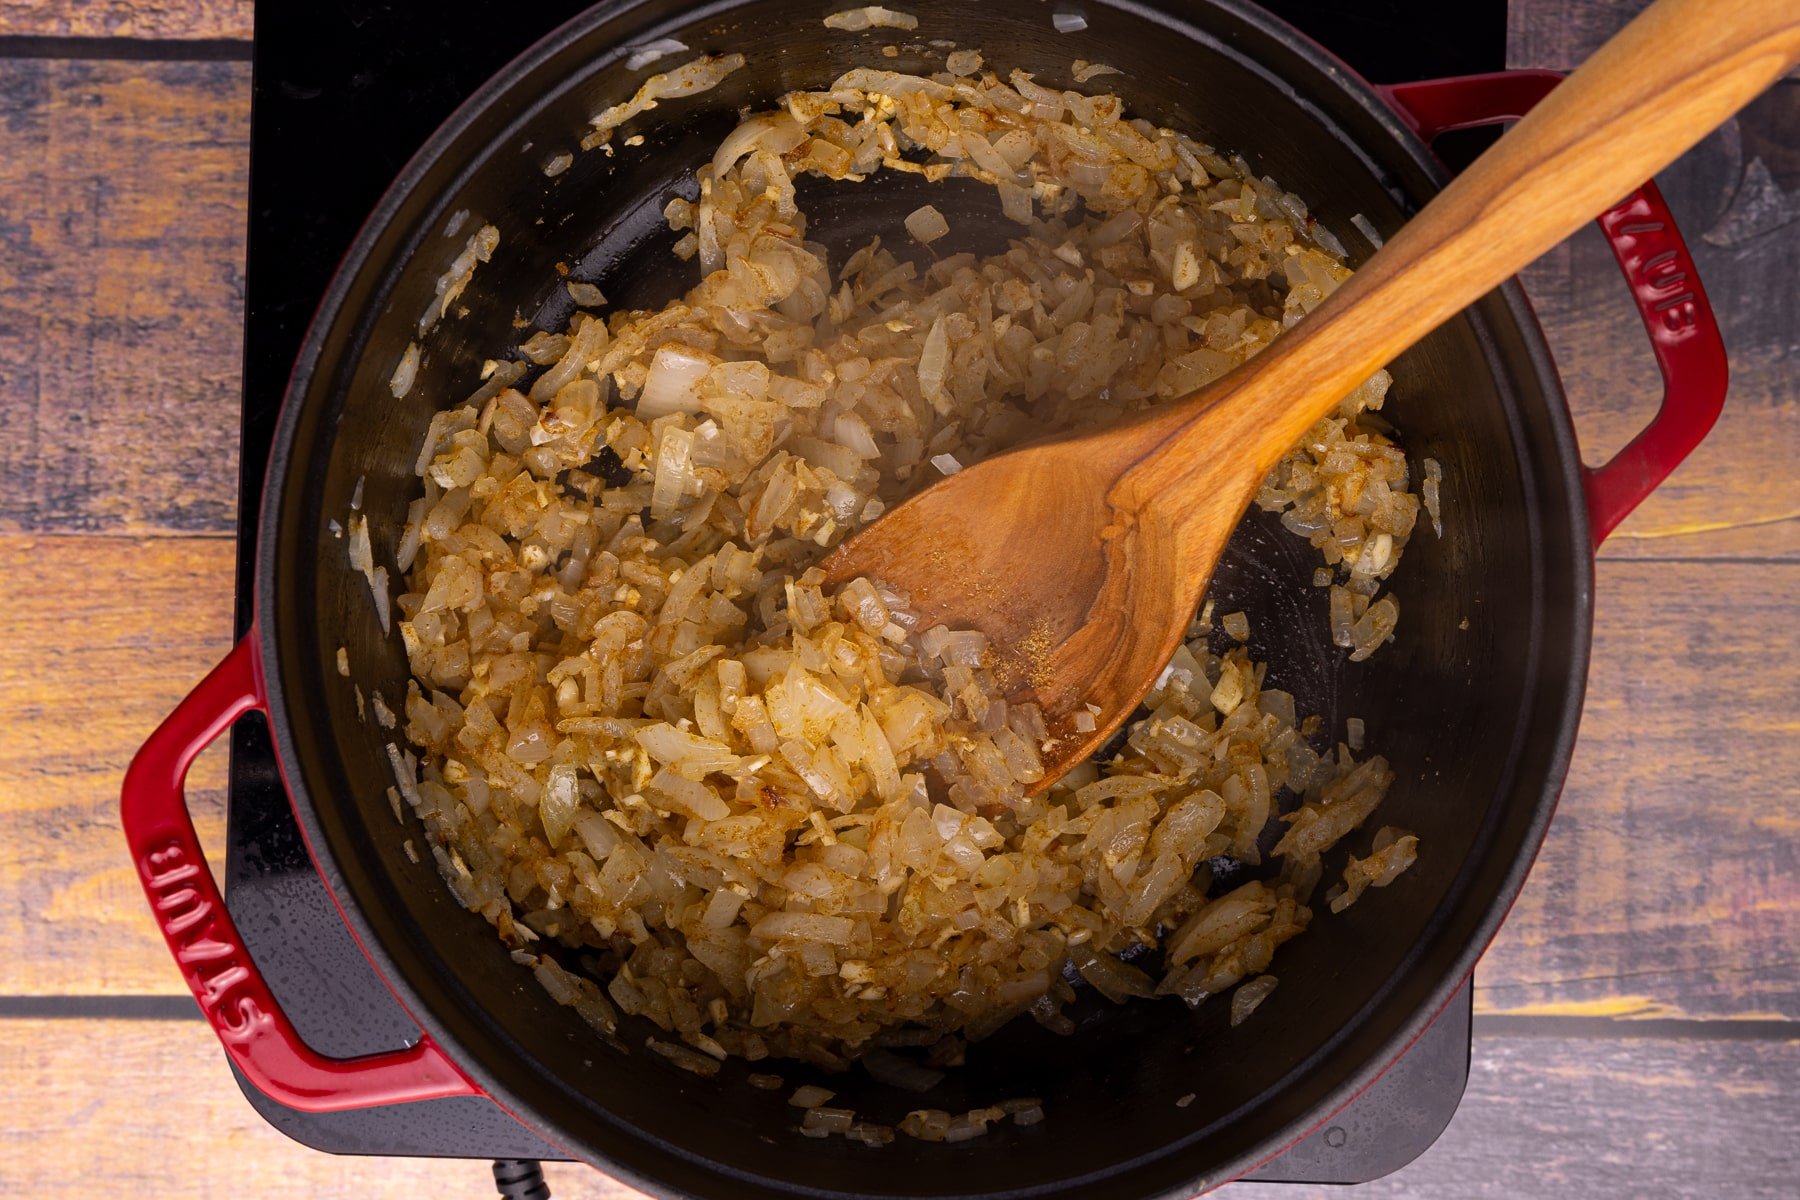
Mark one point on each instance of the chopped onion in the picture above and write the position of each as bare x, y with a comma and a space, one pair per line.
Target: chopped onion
1068, 22
927, 224
962, 62
585, 294
810, 1095
1245, 1000
406, 372
828, 1120
671, 386
1367, 228
649, 52
699, 75
1015, 201
776, 132
681, 1056
946, 463
934, 363
873, 16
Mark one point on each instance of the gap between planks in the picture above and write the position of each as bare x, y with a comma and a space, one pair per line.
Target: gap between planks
125, 49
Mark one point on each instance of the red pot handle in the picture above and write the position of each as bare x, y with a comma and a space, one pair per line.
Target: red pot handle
207, 947
1665, 286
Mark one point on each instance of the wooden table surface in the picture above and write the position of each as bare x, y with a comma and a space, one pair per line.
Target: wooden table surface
1638, 1019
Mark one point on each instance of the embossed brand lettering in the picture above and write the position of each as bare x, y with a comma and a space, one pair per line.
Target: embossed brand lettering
217, 987
166, 853
1656, 270
1681, 318
174, 875
212, 965
205, 949
238, 1021
194, 910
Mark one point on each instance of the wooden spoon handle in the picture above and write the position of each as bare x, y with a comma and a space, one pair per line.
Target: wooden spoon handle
1671, 76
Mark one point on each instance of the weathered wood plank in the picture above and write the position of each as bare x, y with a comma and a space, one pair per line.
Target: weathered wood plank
126, 18
1738, 495
1670, 882
1737, 199
81, 685
122, 208
1671, 875
1549, 1118
148, 1108
1559, 35
1560, 1119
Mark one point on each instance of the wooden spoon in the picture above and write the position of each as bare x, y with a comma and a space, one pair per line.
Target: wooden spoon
1083, 558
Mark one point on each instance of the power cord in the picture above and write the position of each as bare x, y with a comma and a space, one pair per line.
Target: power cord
520, 1179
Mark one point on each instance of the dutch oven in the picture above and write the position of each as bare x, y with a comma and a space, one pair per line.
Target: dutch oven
1476, 704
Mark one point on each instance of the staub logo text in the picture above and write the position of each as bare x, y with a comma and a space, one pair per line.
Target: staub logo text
190, 918
1655, 269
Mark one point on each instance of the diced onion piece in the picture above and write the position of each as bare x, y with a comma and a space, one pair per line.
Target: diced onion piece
810, 1095
672, 385
926, 224
873, 16
585, 294
642, 56
962, 62
828, 1120
1430, 491
1068, 22
1367, 228
406, 372
1245, 1000
705, 72
776, 132
686, 1059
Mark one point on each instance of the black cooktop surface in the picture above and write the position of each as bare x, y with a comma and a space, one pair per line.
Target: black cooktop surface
392, 70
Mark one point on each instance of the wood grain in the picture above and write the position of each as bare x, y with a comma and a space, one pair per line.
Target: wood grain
1738, 495
126, 18
81, 686
1592, 1118
1736, 198
122, 201
148, 1109
158, 1115
1559, 35
1671, 875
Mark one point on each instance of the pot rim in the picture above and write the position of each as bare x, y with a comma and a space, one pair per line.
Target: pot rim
1331, 70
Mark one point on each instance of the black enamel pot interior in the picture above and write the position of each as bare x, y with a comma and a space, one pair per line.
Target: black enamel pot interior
1478, 721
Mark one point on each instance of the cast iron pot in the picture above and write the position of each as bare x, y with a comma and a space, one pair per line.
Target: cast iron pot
1476, 703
